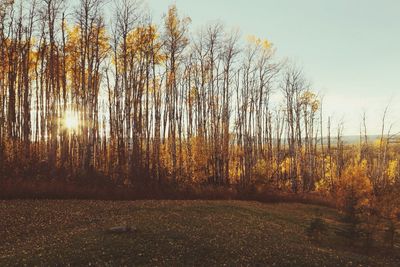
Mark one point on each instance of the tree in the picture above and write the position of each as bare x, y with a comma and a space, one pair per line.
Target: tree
175, 42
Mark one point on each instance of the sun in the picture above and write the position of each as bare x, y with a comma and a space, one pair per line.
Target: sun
71, 120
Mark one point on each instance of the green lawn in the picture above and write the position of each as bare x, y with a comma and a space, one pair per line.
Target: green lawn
178, 233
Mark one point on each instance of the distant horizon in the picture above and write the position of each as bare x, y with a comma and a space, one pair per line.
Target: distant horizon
347, 48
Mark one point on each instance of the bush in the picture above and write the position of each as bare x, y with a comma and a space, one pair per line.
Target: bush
355, 199
354, 188
316, 228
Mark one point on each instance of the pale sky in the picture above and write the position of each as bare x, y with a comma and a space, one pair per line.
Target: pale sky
349, 49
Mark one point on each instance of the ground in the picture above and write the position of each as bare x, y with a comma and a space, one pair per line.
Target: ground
173, 233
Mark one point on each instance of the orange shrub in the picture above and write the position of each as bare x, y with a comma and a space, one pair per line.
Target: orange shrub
354, 188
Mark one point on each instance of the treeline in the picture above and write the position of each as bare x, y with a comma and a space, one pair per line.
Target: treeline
143, 105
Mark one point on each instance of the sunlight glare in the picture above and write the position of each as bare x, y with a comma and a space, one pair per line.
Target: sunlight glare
71, 121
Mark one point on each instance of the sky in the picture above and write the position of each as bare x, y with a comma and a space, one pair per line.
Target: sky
349, 49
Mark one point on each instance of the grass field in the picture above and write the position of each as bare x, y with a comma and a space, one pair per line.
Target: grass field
178, 233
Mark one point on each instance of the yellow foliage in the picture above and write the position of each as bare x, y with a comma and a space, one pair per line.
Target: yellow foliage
264, 44
392, 170
284, 166
200, 157
309, 98
164, 155
98, 40
142, 43
355, 184
176, 27
325, 184
260, 168
172, 20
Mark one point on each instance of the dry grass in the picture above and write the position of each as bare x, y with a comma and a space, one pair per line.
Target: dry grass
183, 233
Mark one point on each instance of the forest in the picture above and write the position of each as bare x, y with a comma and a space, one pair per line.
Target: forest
94, 107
